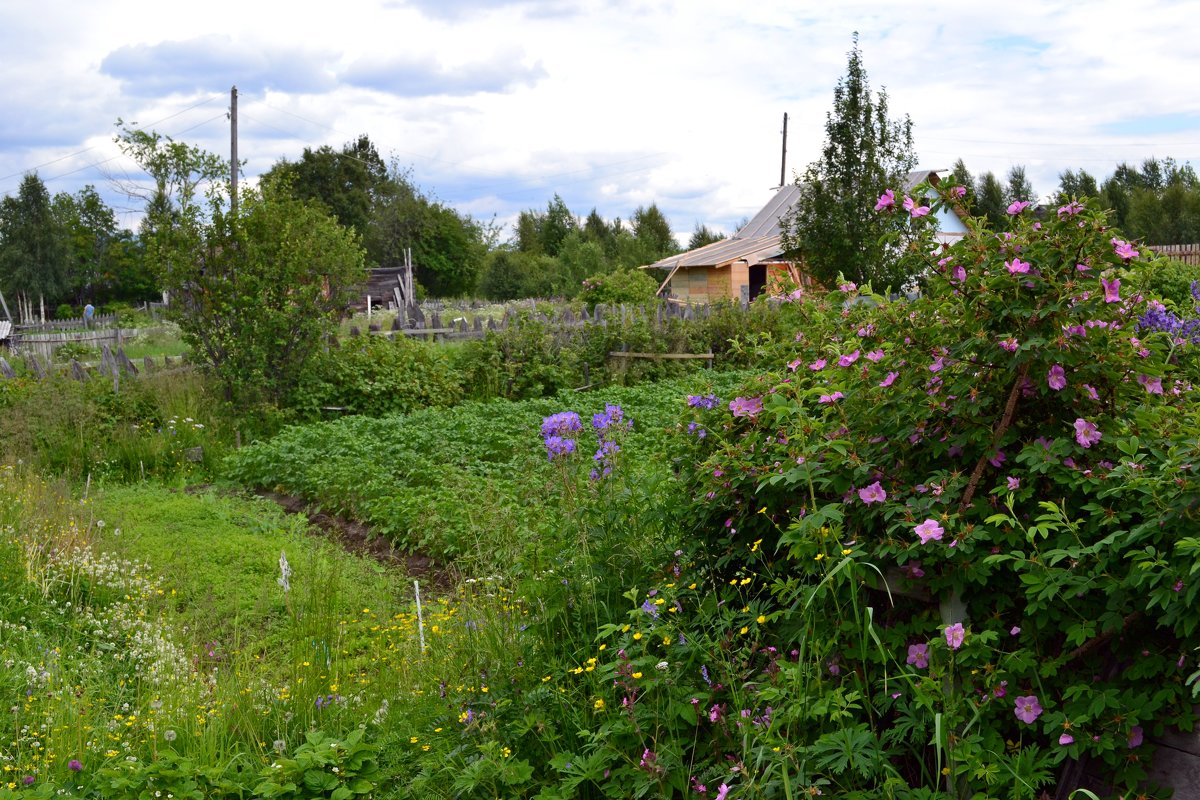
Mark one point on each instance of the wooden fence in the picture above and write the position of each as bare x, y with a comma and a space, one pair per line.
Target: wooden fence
113, 364
1187, 253
435, 326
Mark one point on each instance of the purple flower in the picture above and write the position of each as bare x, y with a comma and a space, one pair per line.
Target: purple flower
955, 634
1016, 631
1070, 209
872, 494
912, 570
722, 792
875, 355
650, 609
1066, 739
1086, 433
817, 365
997, 458
1028, 708
745, 406
891, 377
561, 424
1124, 249
887, 201
830, 398
847, 287
1057, 378
1091, 392
75, 765
929, 530
848, 359
28, 780
1010, 344
1112, 290
958, 191
558, 447
1017, 266
612, 417
703, 401
1013, 483
1018, 207
960, 274
918, 655
1153, 385
1136, 736
913, 209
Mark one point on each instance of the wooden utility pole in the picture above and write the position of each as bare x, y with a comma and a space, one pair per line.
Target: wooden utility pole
783, 159
233, 158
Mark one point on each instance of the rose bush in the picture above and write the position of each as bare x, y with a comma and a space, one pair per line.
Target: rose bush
988, 496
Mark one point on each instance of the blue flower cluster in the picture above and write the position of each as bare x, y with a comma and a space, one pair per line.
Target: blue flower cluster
1159, 319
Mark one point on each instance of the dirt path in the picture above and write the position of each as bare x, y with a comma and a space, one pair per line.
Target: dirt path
355, 537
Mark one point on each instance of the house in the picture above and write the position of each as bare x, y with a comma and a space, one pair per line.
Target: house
744, 265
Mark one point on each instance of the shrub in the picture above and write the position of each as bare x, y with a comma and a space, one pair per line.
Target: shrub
374, 376
989, 493
626, 285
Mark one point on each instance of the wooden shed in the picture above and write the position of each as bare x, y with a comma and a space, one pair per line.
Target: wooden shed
744, 265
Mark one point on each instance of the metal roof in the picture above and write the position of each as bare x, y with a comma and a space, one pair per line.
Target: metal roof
766, 221
756, 241
759, 239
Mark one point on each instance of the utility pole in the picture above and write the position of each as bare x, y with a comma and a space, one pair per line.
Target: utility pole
233, 158
783, 159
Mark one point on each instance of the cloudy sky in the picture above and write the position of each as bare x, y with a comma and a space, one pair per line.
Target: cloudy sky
496, 106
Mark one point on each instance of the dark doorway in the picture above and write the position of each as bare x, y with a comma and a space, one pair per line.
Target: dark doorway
758, 280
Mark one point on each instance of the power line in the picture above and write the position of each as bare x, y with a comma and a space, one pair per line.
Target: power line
89, 149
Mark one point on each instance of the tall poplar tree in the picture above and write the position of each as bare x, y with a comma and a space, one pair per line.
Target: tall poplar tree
834, 227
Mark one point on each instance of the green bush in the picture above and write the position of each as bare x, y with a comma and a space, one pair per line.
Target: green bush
374, 375
626, 285
1171, 280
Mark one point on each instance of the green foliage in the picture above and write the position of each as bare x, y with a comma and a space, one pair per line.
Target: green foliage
986, 488
833, 227
621, 286
34, 252
323, 767
147, 429
703, 236
511, 275
1017, 188
1169, 279
375, 376
346, 182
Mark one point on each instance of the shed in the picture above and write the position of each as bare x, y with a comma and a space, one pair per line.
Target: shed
743, 266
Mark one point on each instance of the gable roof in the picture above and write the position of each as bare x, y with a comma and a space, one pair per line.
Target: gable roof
760, 239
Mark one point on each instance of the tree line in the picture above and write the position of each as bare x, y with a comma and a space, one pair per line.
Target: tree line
1157, 202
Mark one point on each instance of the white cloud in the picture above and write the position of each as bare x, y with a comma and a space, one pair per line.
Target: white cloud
498, 106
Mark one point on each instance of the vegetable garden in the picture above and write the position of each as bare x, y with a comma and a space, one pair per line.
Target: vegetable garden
940, 547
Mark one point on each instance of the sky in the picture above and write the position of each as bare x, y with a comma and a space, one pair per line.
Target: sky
497, 106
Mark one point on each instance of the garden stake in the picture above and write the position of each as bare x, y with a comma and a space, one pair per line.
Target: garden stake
420, 619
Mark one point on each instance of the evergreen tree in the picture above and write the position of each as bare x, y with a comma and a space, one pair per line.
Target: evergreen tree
834, 226
960, 176
653, 235
1073, 184
703, 236
990, 201
1018, 188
